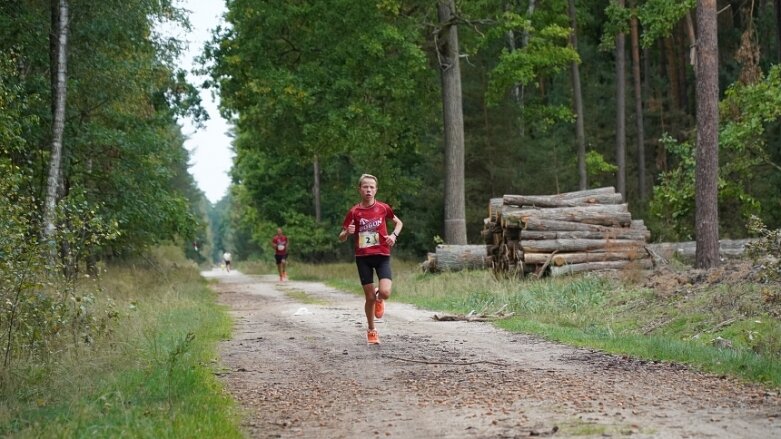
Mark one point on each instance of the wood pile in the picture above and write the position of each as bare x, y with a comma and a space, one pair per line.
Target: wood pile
565, 233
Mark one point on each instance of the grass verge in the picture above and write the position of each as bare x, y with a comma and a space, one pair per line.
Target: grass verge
729, 329
152, 376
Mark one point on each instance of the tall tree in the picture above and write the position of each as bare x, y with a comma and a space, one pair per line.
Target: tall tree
577, 99
621, 109
638, 91
453, 117
707, 148
778, 30
59, 58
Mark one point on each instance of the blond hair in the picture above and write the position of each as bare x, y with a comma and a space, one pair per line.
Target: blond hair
365, 176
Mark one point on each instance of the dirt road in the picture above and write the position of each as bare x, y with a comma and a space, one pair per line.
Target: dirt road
304, 370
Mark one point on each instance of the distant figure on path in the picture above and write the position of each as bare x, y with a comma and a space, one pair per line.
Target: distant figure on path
280, 243
226, 257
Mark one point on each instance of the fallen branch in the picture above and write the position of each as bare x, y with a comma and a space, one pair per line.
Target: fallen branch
472, 317
449, 363
454, 318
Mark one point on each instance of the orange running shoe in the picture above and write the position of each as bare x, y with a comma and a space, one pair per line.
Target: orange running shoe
379, 306
372, 337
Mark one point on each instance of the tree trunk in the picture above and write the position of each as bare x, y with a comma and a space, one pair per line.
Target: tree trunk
671, 63
621, 111
577, 100
778, 31
707, 154
448, 52
59, 90
510, 35
316, 187
635, 32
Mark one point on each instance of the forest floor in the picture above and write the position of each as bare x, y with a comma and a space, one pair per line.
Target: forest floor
298, 366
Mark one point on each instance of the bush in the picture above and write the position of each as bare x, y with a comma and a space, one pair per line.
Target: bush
766, 250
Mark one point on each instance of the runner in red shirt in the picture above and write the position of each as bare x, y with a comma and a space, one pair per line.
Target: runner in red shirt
368, 221
280, 244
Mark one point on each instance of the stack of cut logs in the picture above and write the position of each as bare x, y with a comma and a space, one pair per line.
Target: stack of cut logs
565, 233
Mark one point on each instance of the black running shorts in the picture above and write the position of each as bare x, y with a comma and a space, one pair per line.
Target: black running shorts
367, 265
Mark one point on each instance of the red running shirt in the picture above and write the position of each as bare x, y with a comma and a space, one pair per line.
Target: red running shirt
371, 229
280, 244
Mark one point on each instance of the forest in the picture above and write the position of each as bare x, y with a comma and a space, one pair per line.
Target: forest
673, 106
448, 103
556, 95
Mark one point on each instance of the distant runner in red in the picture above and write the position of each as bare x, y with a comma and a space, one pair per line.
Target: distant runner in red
368, 221
280, 244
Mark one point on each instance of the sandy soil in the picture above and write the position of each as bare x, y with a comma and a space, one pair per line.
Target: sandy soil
304, 370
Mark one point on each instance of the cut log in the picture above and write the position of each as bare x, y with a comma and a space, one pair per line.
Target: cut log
555, 201
728, 248
560, 259
609, 233
601, 214
462, 257
576, 194
642, 264
580, 245
494, 209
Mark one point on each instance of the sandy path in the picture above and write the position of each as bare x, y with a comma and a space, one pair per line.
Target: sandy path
303, 370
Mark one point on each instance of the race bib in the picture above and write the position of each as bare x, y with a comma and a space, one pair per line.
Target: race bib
368, 239
280, 247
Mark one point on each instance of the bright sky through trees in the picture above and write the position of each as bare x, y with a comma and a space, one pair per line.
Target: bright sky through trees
210, 147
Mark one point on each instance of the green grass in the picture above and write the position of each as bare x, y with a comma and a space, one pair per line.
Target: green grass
613, 315
303, 297
151, 377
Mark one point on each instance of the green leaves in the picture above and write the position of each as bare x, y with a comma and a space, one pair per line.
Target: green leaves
659, 17
547, 53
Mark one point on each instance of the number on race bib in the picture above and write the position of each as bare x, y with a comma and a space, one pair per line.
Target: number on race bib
368, 239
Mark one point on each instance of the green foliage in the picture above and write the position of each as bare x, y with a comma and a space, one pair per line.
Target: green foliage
42, 310
343, 85
659, 17
123, 155
14, 119
744, 161
673, 200
546, 53
767, 249
82, 231
598, 169
747, 111
152, 375
618, 18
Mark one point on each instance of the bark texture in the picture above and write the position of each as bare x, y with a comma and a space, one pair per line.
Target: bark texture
59, 90
450, 71
707, 154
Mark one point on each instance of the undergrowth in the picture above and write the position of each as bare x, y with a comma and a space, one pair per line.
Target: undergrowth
150, 375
